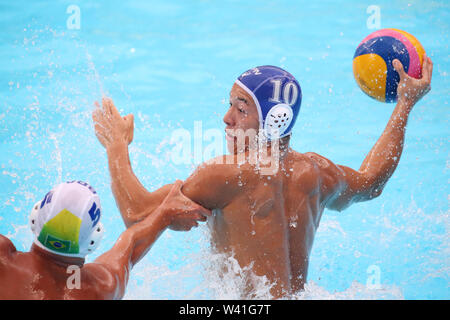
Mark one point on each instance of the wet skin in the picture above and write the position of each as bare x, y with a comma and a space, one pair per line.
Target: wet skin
267, 222
39, 274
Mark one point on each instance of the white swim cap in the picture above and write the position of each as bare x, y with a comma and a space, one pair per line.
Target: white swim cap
66, 221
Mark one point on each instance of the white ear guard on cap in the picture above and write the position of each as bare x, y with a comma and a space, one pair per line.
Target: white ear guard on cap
34, 215
94, 240
277, 120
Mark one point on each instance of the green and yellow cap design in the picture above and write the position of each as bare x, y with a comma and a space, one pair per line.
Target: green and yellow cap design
61, 233
66, 221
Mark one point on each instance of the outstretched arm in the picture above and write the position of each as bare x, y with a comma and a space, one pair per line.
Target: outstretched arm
379, 165
135, 242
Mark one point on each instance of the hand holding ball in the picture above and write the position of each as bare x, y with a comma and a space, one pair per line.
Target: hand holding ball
372, 62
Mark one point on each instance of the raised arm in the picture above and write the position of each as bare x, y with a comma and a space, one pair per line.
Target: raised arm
114, 266
348, 185
115, 133
211, 185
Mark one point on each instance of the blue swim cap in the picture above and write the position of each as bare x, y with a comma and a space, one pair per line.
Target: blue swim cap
277, 95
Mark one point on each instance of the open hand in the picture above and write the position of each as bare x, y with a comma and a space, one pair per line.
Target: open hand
110, 126
411, 90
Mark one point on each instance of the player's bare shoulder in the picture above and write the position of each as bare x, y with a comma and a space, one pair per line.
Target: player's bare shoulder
97, 282
330, 175
215, 182
6, 248
302, 170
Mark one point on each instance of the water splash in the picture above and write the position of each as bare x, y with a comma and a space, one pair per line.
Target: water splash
210, 275
356, 291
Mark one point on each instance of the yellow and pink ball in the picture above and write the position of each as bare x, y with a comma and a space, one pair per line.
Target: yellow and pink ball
372, 62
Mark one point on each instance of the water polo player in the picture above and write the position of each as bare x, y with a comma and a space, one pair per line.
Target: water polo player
267, 221
67, 227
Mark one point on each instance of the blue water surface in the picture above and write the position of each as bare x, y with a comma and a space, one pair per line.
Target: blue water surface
172, 64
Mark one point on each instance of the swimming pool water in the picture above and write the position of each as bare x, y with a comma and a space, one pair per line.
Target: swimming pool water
172, 64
